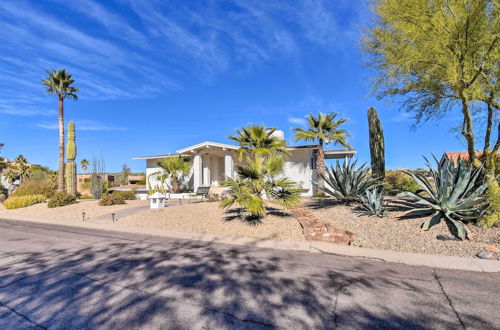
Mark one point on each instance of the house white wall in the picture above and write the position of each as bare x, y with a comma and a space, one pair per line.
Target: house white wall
298, 168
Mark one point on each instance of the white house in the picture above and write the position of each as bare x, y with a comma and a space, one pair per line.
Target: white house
212, 162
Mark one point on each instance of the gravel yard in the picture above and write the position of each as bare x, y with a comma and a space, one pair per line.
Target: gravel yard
72, 212
207, 217
405, 235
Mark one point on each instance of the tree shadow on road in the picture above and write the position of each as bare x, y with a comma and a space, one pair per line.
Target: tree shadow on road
190, 284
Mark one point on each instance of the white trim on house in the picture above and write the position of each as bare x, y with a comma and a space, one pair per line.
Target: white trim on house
212, 162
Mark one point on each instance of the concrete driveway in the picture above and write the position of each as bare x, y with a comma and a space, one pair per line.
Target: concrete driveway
58, 277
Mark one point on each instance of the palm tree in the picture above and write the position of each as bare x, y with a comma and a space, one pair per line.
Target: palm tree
85, 165
175, 168
59, 82
325, 130
22, 167
259, 139
260, 179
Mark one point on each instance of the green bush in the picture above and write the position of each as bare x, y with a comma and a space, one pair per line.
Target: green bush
61, 198
127, 195
492, 214
112, 199
15, 202
395, 181
86, 196
35, 187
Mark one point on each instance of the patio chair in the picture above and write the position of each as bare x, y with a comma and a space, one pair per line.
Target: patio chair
200, 191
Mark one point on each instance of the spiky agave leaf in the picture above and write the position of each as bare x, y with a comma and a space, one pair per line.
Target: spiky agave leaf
452, 195
373, 202
347, 182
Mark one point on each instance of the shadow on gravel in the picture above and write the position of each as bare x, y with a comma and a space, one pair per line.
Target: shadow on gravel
188, 284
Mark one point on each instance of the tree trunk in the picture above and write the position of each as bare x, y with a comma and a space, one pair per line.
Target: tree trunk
320, 164
467, 131
175, 185
60, 173
489, 155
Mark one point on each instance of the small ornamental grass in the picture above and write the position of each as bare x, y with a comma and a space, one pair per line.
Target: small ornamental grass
453, 195
16, 202
61, 198
112, 199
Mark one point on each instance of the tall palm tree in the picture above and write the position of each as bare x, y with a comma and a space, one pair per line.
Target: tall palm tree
23, 168
175, 168
257, 138
324, 129
85, 165
59, 82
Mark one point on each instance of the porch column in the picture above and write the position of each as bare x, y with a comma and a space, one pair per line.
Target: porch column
197, 171
228, 165
206, 170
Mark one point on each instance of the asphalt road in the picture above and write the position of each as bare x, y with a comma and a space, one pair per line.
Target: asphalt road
57, 277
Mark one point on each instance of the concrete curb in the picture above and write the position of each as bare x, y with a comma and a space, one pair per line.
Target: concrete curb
415, 259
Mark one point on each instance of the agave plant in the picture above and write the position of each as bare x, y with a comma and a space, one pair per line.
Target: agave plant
373, 202
452, 195
257, 181
346, 182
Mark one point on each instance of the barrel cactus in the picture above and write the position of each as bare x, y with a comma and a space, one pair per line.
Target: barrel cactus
377, 152
70, 164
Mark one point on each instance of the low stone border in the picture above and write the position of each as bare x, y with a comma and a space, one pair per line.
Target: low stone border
316, 230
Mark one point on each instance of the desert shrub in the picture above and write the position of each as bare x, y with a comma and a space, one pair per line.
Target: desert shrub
127, 195
373, 202
35, 187
112, 199
3, 197
396, 181
15, 202
86, 196
61, 198
454, 195
346, 182
492, 214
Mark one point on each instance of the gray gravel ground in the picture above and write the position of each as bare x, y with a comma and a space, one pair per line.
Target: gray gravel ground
393, 232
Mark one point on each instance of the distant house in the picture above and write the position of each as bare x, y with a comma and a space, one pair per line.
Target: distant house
454, 156
83, 181
212, 162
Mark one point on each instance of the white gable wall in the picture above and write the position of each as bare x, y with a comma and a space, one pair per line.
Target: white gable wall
298, 168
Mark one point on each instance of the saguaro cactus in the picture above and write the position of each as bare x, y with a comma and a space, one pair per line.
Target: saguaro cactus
377, 152
70, 164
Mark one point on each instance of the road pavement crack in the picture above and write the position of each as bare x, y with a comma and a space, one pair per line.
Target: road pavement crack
23, 316
340, 290
449, 299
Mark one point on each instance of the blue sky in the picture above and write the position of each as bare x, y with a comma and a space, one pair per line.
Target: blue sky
157, 76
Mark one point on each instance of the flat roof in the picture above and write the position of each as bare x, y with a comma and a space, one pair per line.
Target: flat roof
329, 154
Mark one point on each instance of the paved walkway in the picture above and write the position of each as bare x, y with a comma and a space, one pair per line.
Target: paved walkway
110, 217
56, 277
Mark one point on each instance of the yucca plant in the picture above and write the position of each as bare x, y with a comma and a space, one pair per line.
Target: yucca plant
372, 202
452, 194
257, 181
346, 182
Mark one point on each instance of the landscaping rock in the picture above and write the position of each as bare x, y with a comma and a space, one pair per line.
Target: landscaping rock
485, 255
442, 237
492, 248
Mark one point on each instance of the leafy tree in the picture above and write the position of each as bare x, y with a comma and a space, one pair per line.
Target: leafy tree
84, 165
174, 168
440, 56
60, 83
124, 174
324, 129
257, 138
